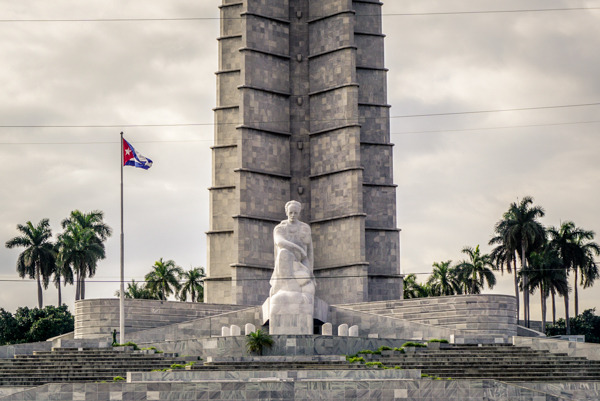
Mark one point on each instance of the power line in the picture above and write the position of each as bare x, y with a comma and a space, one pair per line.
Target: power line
183, 19
393, 133
121, 126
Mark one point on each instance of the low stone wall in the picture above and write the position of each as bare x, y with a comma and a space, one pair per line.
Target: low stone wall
9, 351
587, 350
97, 318
277, 389
489, 314
573, 391
198, 328
235, 346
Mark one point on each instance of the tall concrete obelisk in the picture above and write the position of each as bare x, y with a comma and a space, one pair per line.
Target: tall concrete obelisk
302, 114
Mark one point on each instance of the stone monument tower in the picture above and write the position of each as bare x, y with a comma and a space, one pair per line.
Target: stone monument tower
302, 114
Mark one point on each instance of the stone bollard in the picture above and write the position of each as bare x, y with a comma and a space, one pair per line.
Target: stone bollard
327, 329
225, 332
235, 330
353, 331
249, 328
343, 330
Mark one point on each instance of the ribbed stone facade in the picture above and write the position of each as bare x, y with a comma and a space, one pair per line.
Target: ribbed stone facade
302, 114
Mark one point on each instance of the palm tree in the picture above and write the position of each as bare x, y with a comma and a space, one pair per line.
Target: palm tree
412, 288
586, 264
137, 290
61, 271
94, 222
521, 230
576, 250
193, 285
163, 280
546, 274
38, 258
505, 255
443, 279
476, 271
80, 251
257, 341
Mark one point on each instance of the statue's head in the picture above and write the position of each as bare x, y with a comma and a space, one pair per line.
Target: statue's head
292, 210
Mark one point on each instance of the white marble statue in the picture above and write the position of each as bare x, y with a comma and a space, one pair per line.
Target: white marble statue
292, 294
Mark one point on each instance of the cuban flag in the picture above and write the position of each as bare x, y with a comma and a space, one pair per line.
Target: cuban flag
132, 158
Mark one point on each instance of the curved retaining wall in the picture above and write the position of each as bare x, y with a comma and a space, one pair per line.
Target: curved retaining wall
97, 318
487, 314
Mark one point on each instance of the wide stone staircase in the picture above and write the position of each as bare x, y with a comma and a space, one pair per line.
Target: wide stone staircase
499, 362
69, 365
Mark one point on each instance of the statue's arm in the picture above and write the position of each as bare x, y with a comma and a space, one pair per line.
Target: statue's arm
281, 242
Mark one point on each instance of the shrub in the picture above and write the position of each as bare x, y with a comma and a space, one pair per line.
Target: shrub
118, 379
377, 364
356, 359
177, 366
436, 340
257, 341
413, 344
384, 348
128, 344
401, 350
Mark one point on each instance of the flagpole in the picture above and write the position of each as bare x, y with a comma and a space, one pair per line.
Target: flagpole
122, 288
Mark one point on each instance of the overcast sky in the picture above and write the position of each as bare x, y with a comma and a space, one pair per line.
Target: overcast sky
456, 173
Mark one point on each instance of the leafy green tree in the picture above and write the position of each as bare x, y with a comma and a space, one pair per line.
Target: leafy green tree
80, 251
475, 272
38, 258
545, 274
520, 229
257, 341
92, 222
9, 328
587, 324
193, 285
32, 325
444, 279
163, 280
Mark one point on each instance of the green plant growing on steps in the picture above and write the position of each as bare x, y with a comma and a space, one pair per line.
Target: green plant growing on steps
401, 350
375, 364
118, 379
437, 340
413, 344
128, 344
177, 366
355, 359
384, 348
257, 341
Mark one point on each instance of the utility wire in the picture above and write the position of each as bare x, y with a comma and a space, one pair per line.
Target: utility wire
239, 18
315, 120
440, 131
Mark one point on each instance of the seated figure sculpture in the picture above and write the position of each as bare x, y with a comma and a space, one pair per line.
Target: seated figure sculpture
292, 294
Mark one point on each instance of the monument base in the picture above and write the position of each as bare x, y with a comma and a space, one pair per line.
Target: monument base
294, 319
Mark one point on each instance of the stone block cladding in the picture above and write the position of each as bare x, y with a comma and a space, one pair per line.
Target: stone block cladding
302, 114
294, 388
489, 318
97, 318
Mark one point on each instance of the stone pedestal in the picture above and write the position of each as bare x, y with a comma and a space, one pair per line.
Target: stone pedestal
291, 313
